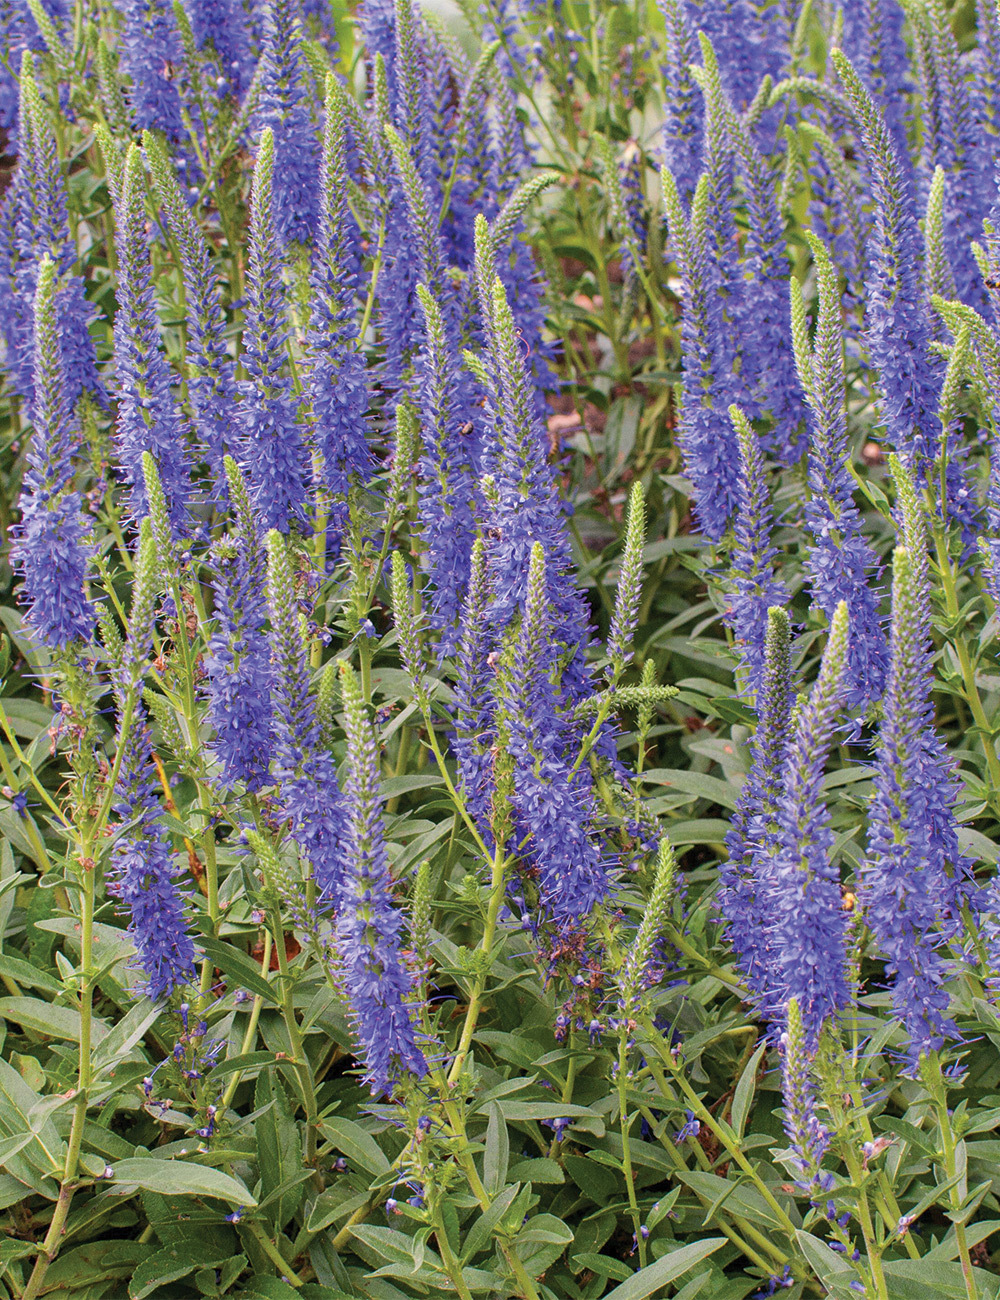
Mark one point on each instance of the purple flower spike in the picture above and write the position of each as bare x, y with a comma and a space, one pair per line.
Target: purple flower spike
148, 419
151, 57
896, 320
368, 925
50, 547
808, 931
284, 108
553, 803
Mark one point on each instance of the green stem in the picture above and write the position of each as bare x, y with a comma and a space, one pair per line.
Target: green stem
295, 1037
484, 953
366, 314
719, 1128
286, 1272
867, 1230
746, 1230
463, 812
627, 1146
8, 771
966, 666
251, 1031
451, 1264
886, 1202
53, 1237
938, 1089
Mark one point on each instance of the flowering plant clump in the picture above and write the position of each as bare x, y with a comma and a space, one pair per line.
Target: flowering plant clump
500, 786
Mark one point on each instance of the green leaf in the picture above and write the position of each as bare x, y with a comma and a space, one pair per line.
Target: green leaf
832, 1269
547, 1228
12, 1250
279, 1151
175, 1178
123, 1036
741, 1198
604, 1266
44, 1017
599, 1183
353, 1142
11, 1191
480, 1232
43, 1156
268, 1288
12, 1145
541, 1242
30, 976
924, 1279
393, 786
332, 1205
243, 1061
580, 1116
537, 1171
620, 433
665, 1270
705, 830
171, 1263
94, 1262
744, 1093
497, 1153
693, 783
397, 1249
243, 972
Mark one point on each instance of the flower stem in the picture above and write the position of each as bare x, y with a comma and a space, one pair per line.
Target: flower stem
626, 1144
497, 889
935, 1082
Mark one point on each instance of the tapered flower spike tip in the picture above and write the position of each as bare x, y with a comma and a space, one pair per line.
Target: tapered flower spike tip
753, 584
651, 927
841, 563
835, 656
624, 620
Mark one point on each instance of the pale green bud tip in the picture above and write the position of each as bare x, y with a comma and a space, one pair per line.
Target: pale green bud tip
259, 844
46, 279
834, 659
430, 308
817, 246
666, 865
743, 430
778, 621
349, 685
